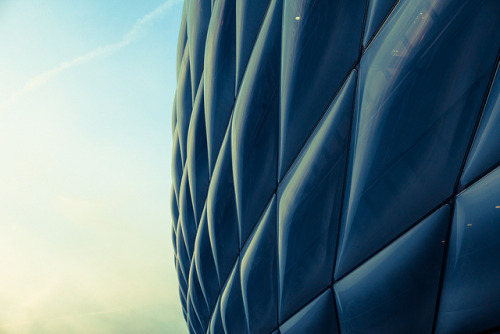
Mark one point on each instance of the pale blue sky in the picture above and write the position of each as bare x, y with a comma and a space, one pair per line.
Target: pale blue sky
86, 92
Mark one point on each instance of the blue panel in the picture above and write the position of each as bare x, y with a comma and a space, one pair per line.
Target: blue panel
378, 10
485, 151
176, 168
411, 130
216, 326
221, 213
316, 317
184, 105
312, 194
470, 301
198, 301
197, 157
182, 41
231, 306
174, 208
321, 43
255, 125
259, 290
205, 264
184, 260
396, 291
197, 26
249, 17
186, 215
220, 60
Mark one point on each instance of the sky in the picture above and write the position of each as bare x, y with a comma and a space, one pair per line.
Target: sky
86, 94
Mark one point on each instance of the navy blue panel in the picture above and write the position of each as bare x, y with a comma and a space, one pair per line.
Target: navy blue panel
255, 125
198, 301
316, 317
184, 105
485, 151
377, 12
470, 301
249, 16
197, 157
259, 291
231, 306
184, 260
221, 212
312, 194
186, 215
182, 41
321, 42
183, 286
174, 115
175, 217
219, 76
205, 263
197, 26
216, 326
411, 129
396, 291
177, 165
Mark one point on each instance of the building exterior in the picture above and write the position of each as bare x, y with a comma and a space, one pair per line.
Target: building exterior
336, 166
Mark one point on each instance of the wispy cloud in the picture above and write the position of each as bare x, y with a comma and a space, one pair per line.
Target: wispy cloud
140, 25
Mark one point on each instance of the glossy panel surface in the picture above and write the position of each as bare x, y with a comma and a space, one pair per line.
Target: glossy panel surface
259, 281
396, 290
378, 10
249, 17
316, 317
470, 301
231, 306
197, 26
254, 143
309, 207
421, 86
314, 142
321, 43
485, 151
197, 159
219, 75
221, 213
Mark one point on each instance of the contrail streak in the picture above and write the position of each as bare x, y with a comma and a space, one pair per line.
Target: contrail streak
128, 38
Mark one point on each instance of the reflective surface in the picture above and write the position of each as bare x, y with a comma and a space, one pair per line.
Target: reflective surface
336, 166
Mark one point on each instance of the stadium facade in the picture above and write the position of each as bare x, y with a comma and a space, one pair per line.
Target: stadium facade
336, 166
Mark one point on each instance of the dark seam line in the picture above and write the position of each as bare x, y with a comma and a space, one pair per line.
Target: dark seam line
278, 133
303, 306
379, 28
457, 184
484, 104
447, 200
353, 67
444, 261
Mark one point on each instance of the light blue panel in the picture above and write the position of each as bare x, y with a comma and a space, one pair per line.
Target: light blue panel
254, 142
470, 301
321, 43
309, 200
259, 283
421, 86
